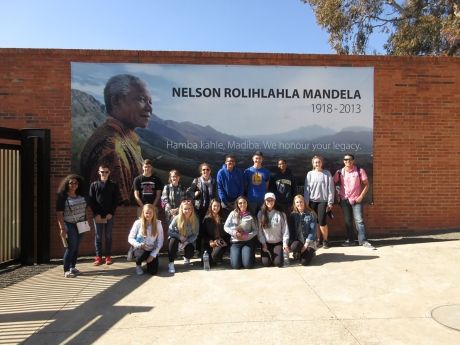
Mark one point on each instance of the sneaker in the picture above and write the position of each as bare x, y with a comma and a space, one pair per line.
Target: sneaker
139, 270
171, 268
325, 244
97, 261
108, 260
75, 271
366, 244
186, 261
348, 243
69, 274
318, 244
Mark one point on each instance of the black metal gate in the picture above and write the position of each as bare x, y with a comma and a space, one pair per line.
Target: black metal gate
24, 195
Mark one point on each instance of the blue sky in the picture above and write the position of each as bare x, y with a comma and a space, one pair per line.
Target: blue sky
273, 26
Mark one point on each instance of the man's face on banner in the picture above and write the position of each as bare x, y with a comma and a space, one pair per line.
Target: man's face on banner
135, 108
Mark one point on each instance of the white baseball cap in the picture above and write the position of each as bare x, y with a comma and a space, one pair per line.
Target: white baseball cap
269, 196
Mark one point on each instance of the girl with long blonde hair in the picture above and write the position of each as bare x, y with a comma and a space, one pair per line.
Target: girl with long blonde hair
183, 232
146, 236
302, 230
319, 195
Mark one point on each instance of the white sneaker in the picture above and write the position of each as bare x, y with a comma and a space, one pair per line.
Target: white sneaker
69, 274
171, 268
186, 261
139, 270
366, 244
75, 271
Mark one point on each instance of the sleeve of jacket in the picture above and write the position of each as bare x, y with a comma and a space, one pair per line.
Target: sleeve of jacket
133, 234
229, 226
191, 238
92, 198
204, 229
285, 230
190, 191
306, 193
220, 188
173, 231
159, 241
312, 228
165, 198
330, 189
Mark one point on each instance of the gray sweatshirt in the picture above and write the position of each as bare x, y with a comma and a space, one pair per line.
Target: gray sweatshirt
277, 231
247, 222
319, 187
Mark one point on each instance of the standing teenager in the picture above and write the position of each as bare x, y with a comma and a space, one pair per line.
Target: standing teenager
71, 208
319, 194
104, 196
256, 180
353, 188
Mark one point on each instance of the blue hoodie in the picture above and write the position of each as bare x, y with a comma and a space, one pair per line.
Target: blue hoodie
230, 184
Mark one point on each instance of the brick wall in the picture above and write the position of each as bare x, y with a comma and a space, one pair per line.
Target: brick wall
416, 127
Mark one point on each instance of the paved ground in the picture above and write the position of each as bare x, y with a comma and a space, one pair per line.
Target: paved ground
406, 292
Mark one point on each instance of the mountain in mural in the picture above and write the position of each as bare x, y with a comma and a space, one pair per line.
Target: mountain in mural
302, 133
87, 114
159, 139
185, 131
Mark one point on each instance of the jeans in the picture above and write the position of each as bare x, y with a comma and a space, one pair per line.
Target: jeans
350, 213
242, 254
73, 241
108, 237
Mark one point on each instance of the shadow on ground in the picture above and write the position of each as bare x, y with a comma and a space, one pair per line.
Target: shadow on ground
87, 303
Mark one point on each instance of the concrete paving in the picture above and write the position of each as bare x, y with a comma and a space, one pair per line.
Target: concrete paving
401, 293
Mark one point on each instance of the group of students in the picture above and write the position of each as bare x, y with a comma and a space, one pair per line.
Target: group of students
237, 211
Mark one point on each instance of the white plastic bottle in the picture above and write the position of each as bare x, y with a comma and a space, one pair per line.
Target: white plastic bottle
285, 258
206, 265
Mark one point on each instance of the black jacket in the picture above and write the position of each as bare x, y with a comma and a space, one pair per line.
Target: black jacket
104, 197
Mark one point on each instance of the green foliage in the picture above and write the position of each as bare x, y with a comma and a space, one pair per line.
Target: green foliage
412, 27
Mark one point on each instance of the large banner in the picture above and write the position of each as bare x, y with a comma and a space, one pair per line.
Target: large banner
200, 113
